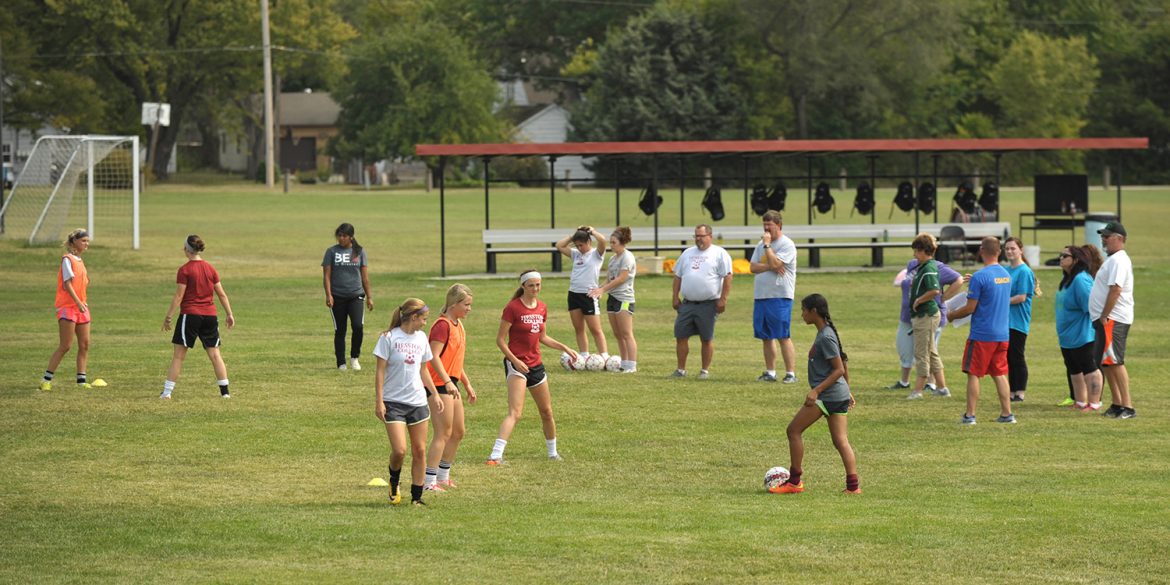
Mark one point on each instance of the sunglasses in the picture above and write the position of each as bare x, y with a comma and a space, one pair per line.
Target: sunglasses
1065, 255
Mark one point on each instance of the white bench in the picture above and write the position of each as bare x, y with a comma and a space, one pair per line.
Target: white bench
875, 237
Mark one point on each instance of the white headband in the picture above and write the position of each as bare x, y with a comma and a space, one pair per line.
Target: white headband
527, 276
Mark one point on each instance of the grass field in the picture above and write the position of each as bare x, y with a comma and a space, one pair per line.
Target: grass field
661, 480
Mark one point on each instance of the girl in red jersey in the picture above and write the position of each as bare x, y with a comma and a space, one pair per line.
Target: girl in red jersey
196, 281
522, 330
73, 317
448, 340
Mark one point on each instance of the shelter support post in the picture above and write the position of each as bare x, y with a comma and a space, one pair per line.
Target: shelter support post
552, 202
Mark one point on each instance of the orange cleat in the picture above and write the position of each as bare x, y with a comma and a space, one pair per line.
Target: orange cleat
787, 488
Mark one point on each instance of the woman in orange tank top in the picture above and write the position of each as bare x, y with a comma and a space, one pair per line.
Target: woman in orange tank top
72, 310
449, 342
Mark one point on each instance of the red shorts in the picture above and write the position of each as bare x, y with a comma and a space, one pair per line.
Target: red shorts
985, 358
73, 314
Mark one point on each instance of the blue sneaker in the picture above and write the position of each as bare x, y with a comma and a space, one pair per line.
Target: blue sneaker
968, 419
1010, 419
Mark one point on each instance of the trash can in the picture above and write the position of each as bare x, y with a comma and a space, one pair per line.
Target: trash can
1094, 222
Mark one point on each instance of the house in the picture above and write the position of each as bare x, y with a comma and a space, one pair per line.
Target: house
306, 121
538, 119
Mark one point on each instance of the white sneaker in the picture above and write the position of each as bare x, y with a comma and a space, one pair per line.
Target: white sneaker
341, 368
355, 365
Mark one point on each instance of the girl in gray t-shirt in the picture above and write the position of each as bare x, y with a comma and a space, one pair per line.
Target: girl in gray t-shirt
830, 397
619, 284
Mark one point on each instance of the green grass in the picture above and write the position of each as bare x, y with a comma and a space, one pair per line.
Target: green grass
662, 479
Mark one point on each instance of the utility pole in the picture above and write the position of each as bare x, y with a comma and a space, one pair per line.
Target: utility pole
269, 153
3, 171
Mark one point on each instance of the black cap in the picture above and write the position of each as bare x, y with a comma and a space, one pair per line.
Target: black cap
1113, 227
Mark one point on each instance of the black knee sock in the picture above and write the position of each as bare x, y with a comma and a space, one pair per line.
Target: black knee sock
794, 476
851, 482
395, 474
415, 493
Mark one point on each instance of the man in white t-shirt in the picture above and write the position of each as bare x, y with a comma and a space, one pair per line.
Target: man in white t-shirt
1111, 309
702, 282
774, 264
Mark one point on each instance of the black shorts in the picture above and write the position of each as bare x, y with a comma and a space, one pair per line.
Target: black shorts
535, 376
399, 413
205, 327
613, 305
582, 302
442, 388
1079, 360
833, 407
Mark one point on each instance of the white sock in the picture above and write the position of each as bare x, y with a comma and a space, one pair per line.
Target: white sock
444, 470
633, 365
223, 382
793, 374
771, 373
1095, 405
1080, 404
552, 447
431, 476
168, 387
498, 449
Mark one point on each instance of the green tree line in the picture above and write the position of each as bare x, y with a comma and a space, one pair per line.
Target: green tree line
409, 71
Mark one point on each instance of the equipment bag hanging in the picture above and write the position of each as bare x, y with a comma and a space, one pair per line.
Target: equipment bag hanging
863, 202
965, 197
759, 199
926, 197
713, 202
823, 199
650, 200
778, 197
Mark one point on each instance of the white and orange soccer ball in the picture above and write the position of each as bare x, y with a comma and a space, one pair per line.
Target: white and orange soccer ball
775, 476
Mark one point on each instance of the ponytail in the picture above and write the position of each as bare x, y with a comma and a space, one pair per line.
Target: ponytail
820, 305
408, 307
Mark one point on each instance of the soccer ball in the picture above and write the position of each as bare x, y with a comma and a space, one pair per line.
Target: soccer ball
614, 363
775, 477
566, 361
594, 363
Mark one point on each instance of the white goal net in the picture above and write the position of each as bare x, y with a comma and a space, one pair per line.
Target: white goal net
76, 181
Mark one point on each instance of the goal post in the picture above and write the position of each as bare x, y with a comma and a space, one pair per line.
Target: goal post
45, 197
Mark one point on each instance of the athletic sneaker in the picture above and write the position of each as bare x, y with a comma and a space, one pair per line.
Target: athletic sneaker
449, 484
434, 487
341, 368
46, 385
930, 387
1017, 398
787, 488
943, 392
355, 365
1066, 402
852, 492
164, 395
1127, 413
704, 374
629, 371
555, 458
679, 374
1010, 419
789, 379
1113, 411
766, 377
968, 419
899, 385
395, 499
1090, 408
418, 503
914, 396
225, 395
495, 462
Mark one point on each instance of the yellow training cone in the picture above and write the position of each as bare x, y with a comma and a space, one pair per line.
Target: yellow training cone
377, 482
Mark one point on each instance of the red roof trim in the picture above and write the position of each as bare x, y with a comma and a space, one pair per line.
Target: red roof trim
782, 146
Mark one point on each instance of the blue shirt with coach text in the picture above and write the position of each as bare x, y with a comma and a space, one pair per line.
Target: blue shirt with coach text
992, 287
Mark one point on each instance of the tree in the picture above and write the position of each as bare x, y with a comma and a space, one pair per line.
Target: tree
660, 78
847, 66
414, 83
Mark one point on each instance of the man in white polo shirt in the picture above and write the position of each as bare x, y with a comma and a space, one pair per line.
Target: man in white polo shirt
702, 282
1111, 309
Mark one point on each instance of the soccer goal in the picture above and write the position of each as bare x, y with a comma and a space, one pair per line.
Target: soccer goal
74, 181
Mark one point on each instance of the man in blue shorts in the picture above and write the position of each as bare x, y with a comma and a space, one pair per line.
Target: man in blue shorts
774, 264
988, 302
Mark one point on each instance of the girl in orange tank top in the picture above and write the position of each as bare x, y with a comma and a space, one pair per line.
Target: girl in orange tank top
448, 341
73, 315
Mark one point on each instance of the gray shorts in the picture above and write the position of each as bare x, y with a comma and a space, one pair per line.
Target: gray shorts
397, 412
695, 318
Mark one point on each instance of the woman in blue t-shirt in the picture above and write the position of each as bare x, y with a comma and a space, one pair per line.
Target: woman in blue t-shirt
1074, 328
829, 397
1019, 315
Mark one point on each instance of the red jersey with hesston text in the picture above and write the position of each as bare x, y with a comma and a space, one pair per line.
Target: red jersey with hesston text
200, 278
527, 328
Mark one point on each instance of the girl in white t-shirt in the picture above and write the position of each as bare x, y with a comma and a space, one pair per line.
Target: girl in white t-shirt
620, 306
584, 310
401, 393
